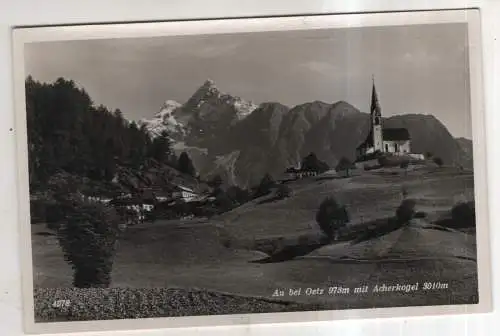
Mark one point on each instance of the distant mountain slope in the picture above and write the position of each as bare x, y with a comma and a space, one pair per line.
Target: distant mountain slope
157, 176
467, 148
428, 134
231, 137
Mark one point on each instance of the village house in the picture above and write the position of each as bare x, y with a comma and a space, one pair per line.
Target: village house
296, 173
135, 205
99, 199
394, 141
184, 193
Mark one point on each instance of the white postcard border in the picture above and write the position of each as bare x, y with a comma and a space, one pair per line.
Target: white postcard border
22, 36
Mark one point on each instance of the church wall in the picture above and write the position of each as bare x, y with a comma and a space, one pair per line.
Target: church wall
402, 146
377, 137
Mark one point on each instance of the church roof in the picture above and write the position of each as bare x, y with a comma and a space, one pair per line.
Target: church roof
388, 134
395, 134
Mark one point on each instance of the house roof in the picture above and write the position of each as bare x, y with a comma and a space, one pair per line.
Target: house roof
395, 134
180, 187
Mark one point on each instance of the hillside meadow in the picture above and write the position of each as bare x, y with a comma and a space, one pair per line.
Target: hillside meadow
219, 256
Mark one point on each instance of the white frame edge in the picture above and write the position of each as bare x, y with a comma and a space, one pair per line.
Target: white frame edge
22, 36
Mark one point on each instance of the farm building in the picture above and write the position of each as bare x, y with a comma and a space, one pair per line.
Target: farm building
184, 193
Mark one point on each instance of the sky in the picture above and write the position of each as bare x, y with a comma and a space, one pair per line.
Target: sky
417, 69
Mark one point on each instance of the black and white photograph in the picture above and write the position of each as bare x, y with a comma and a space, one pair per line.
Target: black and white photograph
231, 171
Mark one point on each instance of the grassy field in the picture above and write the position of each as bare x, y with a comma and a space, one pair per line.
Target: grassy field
216, 257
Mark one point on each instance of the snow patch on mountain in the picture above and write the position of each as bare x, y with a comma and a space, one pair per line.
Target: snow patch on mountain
165, 120
244, 108
209, 92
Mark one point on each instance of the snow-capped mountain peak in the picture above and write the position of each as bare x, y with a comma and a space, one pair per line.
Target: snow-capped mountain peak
244, 108
210, 93
207, 105
165, 120
168, 108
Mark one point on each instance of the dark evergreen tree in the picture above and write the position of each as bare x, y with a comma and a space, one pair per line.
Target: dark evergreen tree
222, 201
67, 132
238, 195
215, 182
161, 148
312, 163
344, 165
283, 191
185, 165
266, 184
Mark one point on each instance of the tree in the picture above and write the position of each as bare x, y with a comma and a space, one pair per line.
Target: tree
265, 186
428, 155
464, 215
88, 238
65, 127
438, 161
344, 165
404, 165
283, 191
312, 163
161, 148
222, 201
215, 182
331, 216
406, 211
238, 195
404, 192
185, 165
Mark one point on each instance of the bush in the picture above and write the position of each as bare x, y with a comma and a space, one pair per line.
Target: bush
406, 211
404, 192
420, 214
88, 238
312, 163
464, 214
331, 216
265, 186
283, 191
438, 161
223, 202
238, 195
344, 165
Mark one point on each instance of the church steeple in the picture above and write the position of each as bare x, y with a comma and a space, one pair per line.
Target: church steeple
376, 119
375, 109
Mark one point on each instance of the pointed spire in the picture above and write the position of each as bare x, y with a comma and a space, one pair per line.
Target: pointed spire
375, 106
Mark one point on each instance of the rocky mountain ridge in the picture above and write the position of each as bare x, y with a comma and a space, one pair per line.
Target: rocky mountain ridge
234, 138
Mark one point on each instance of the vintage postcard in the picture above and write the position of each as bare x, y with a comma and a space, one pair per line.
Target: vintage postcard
235, 171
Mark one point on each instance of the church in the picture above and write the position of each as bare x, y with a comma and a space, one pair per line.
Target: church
395, 141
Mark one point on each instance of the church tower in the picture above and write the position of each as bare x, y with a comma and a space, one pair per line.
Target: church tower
376, 119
